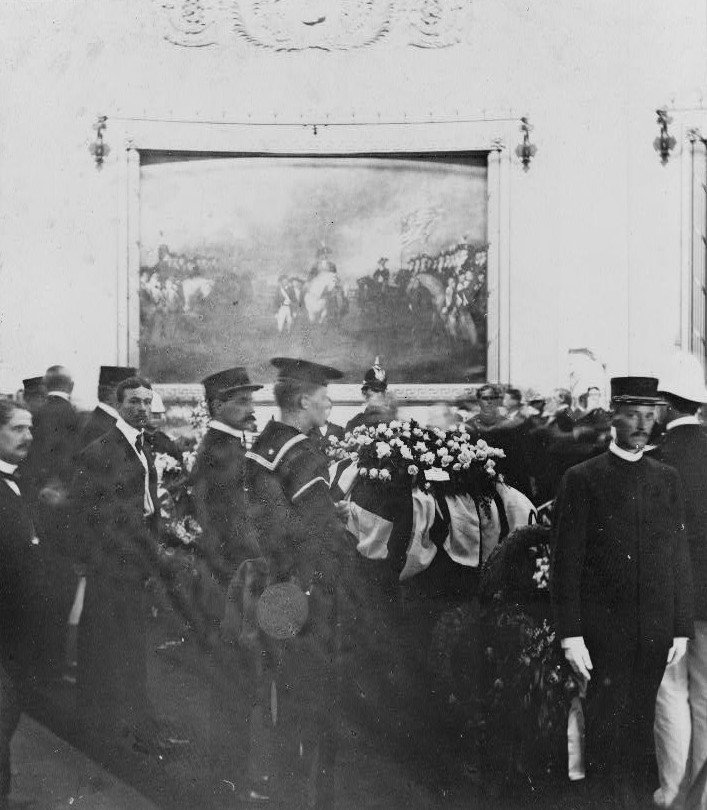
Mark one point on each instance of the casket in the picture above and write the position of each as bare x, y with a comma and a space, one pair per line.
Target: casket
397, 521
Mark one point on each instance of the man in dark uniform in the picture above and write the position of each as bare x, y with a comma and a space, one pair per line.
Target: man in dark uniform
231, 557
681, 708
218, 477
622, 590
375, 391
24, 591
114, 494
105, 414
301, 537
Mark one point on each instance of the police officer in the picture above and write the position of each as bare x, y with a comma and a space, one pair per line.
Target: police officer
301, 537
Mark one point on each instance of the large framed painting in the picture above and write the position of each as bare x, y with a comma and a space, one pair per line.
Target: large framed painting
341, 250
342, 259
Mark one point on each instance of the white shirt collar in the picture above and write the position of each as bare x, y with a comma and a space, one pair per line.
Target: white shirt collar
110, 411
7, 468
624, 454
214, 424
682, 420
128, 431
60, 394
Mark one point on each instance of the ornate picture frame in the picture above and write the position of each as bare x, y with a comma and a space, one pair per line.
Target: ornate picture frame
142, 137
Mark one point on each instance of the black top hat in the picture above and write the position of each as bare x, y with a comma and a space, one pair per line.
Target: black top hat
636, 390
112, 375
375, 379
304, 371
227, 382
33, 385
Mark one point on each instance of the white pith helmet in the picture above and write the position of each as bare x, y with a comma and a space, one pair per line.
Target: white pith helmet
685, 378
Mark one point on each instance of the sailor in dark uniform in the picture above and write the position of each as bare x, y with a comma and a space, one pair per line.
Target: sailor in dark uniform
303, 540
105, 414
378, 405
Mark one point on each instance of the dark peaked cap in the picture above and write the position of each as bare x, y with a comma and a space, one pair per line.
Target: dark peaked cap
304, 371
636, 390
228, 381
113, 375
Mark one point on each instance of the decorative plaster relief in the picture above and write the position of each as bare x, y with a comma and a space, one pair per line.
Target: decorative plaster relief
294, 25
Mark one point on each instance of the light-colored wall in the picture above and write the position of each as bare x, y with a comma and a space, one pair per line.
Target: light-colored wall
595, 223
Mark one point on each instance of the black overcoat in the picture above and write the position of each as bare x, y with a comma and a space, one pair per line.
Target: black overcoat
620, 569
684, 447
24, 591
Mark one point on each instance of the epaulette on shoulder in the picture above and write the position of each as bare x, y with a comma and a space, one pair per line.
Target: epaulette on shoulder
273, 446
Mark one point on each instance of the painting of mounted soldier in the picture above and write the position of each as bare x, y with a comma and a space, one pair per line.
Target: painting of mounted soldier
339, 258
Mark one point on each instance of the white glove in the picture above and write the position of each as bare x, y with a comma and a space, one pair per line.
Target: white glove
577, 656
676, 652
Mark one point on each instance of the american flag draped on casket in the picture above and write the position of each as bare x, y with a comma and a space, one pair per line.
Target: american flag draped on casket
416, 492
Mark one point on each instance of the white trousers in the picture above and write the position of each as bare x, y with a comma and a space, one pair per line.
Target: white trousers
681, 728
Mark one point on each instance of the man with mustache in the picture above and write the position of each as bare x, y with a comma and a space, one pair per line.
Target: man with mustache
24, 586
232, 566
218, 477
114, 494
622, 592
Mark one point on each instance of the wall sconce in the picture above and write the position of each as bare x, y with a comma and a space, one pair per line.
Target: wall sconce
98, 148
526, 150
664, 143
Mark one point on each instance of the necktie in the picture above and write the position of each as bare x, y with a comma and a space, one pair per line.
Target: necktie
10, 477
139, 443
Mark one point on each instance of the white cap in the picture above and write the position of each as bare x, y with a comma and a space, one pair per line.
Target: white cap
684, 378
157, 406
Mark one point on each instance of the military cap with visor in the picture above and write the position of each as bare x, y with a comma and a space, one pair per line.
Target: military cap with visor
224, 383
635, 391
304, 371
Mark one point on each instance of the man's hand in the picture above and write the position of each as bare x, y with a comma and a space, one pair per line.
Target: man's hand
343, 511
577, 656
676, 652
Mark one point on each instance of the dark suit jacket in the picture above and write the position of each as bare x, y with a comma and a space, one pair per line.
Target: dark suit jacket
55, 436
685, 448
24, 592
218, 493
107, 497
98, 423
620, 569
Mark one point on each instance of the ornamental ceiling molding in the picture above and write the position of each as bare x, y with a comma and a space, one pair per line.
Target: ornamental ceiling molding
328, 25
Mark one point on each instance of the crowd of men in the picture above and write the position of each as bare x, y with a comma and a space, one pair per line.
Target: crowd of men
79, 508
